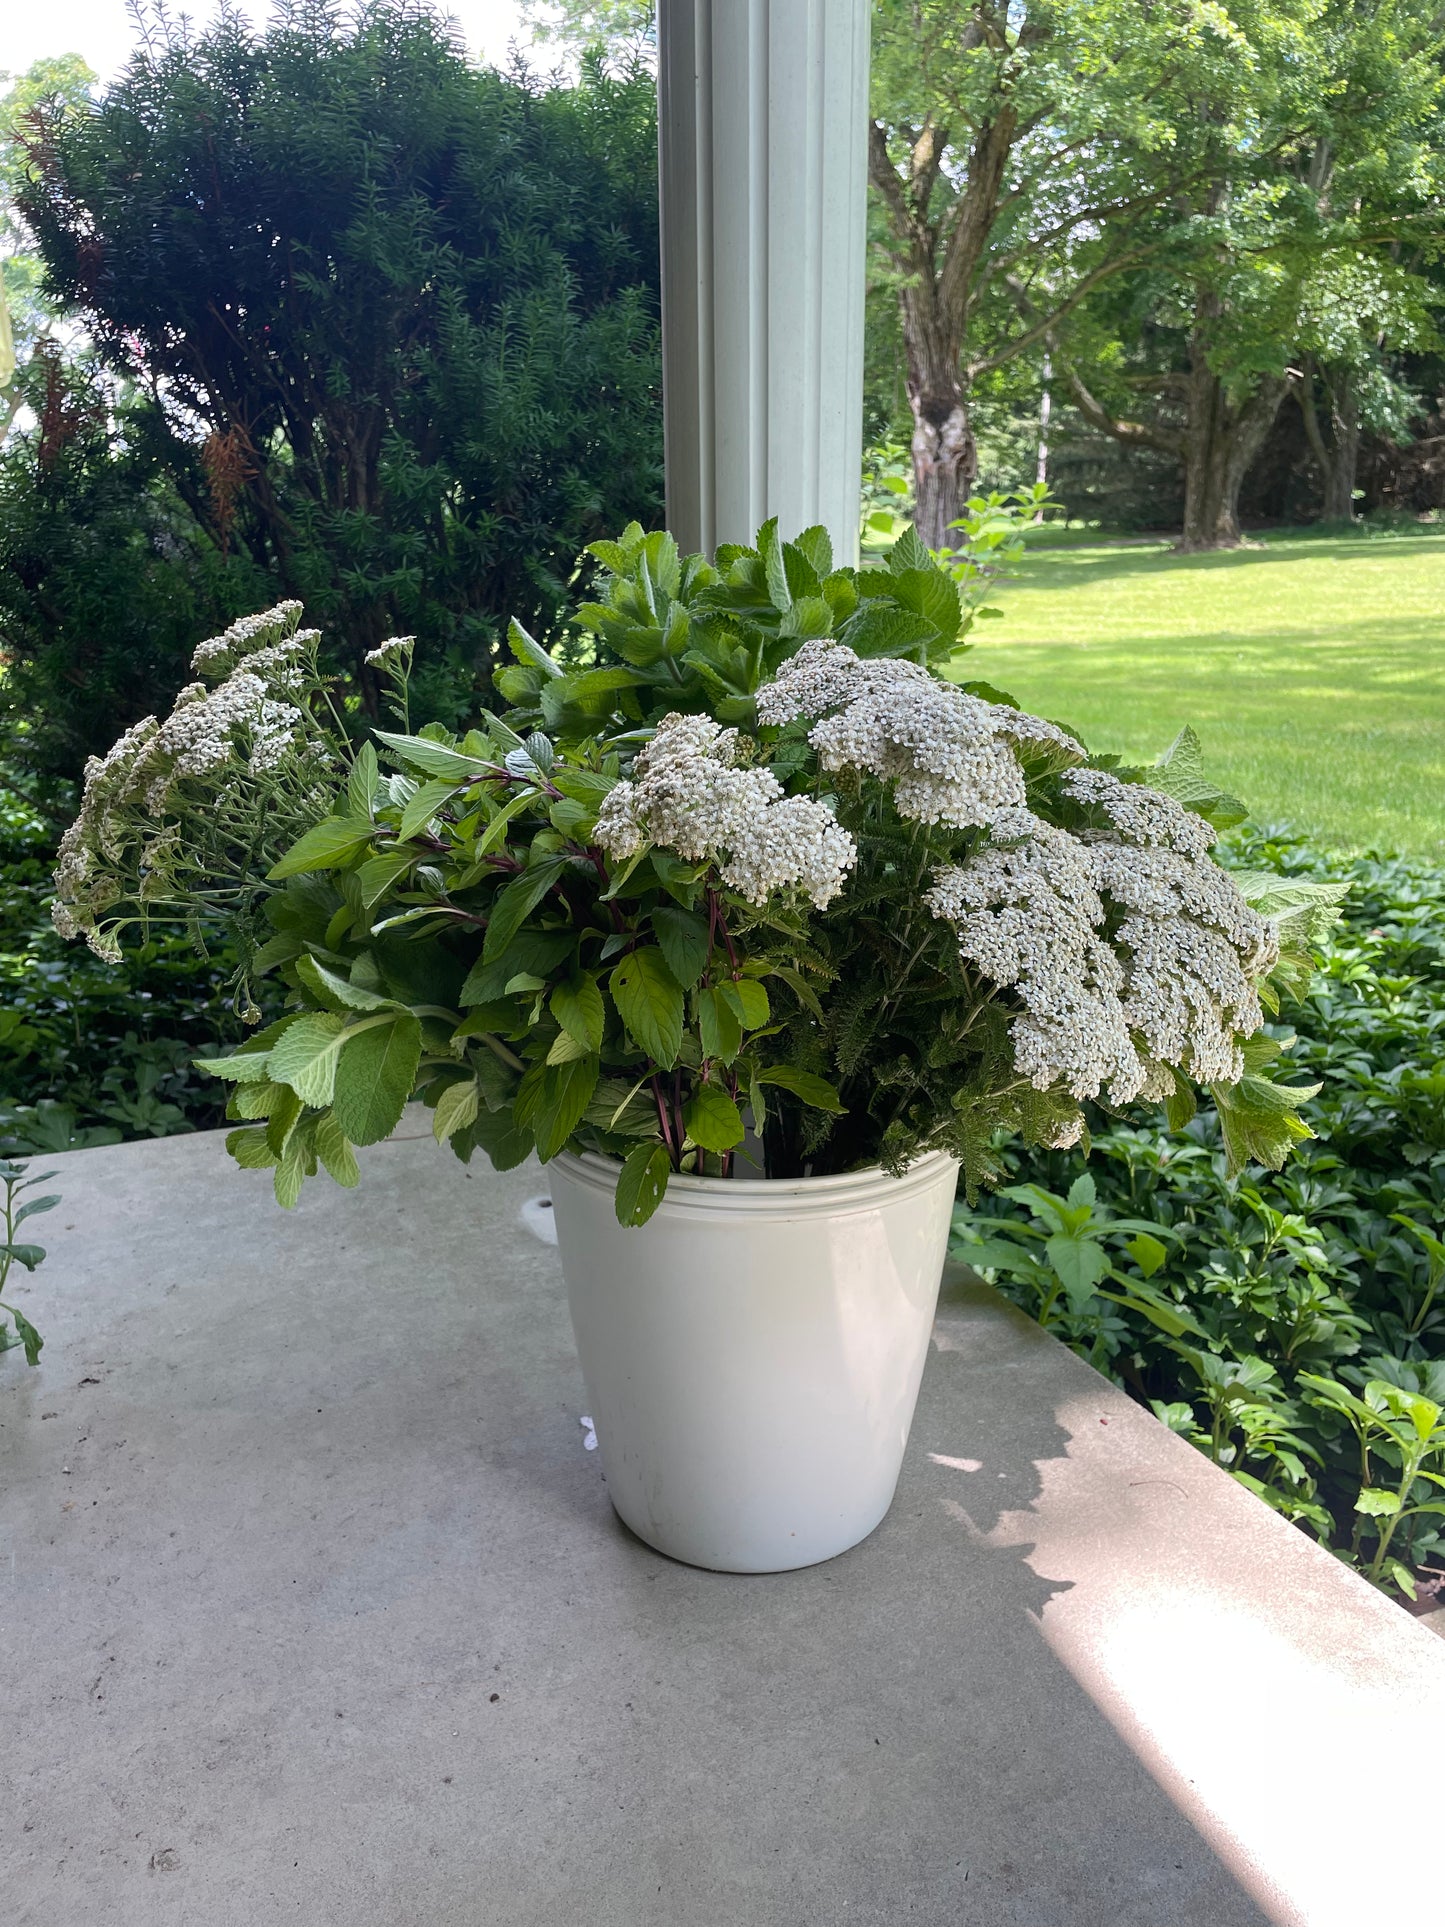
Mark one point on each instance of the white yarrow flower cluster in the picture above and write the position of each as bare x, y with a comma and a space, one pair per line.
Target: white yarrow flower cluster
1176, 982
244, 638
127, 840
688, 794
394, 649
949, 756
1029, 917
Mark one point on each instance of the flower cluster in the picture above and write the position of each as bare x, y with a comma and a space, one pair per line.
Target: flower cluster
689, 794
245, 637
395, 650
1028, 916
1175, 984
950, 757
127, 844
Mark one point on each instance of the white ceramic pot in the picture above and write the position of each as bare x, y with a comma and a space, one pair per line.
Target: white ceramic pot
752, 1354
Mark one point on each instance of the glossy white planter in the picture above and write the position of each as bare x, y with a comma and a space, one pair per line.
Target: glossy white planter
752, 1354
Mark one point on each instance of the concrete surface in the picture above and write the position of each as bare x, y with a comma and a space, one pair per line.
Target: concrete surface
313, 1610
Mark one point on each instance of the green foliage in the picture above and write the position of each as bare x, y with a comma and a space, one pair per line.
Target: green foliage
456, 927
89, 1052
1313, 1352
445, 381
19, 1332
106, 579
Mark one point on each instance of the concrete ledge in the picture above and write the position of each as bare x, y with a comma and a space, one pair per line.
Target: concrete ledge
314, 1611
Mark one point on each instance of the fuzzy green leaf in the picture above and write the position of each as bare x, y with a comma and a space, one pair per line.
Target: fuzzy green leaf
455, 1109
335, 1152
306, 1057
374, 1078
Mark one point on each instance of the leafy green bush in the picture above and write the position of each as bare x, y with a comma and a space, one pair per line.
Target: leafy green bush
391, 323
1278, 1316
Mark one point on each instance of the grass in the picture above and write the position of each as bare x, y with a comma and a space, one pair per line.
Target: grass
1313, 669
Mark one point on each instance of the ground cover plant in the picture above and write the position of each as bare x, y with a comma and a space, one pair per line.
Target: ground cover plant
1310, 667
1315, 1369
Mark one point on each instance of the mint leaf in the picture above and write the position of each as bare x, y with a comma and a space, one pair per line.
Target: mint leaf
643, 1182
649, 1000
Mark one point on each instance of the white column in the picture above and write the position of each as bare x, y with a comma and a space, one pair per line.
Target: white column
762, 120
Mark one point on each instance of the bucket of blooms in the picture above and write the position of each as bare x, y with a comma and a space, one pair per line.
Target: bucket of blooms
751, 926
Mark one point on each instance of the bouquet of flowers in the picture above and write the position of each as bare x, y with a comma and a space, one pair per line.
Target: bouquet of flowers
738, 880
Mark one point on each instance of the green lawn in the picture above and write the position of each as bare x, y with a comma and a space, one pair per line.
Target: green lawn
1313, 670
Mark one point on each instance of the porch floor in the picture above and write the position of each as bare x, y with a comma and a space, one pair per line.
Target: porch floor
314, 1610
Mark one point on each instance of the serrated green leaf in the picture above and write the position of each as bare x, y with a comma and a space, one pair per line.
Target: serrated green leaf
374, 1078
1376, 1503
290, 1172
514, 904
244, 1068
327, 845
806, 1086
376, 876
335, 992
1147, 1252
336, 1153
748, 1000
529, 653
282, 1117
650, 1002
455, 1109
425, 804
684, 940
642, 1184
1080, 1263
577, 1006
565, 1094
713, 1120
305, 1058
361, 783
434, 759
719, 1026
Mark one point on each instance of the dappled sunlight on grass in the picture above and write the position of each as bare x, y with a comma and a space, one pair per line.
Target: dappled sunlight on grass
1314, 670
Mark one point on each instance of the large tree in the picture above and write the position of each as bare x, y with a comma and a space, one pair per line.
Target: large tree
1025, 153
28, 322
395, 316
1287, 266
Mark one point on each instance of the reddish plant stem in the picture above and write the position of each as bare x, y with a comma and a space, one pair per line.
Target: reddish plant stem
719, 926
664, 1121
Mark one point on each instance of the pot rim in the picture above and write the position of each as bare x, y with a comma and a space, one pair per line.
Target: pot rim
767, 1198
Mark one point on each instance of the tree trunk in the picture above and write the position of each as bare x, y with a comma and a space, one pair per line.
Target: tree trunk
945, 457
945, 464
1222, 437
1336, 457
